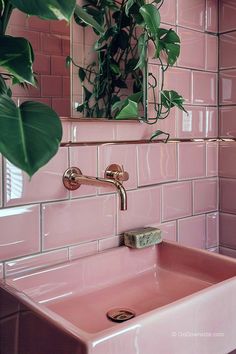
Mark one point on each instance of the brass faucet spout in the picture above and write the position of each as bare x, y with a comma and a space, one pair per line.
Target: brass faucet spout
73, 179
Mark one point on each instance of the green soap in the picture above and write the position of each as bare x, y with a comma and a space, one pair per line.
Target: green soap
142, 237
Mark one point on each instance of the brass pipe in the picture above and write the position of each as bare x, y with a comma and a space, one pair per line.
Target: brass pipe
73, 179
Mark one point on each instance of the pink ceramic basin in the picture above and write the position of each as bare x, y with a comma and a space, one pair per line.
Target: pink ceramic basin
184, 300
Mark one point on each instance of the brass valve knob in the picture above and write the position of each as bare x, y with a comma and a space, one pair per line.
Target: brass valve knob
117, 173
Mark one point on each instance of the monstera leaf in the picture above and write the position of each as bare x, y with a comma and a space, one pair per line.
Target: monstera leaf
29, 134
50, 9
16, 55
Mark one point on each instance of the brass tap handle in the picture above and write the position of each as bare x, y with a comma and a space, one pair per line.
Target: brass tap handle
117, 173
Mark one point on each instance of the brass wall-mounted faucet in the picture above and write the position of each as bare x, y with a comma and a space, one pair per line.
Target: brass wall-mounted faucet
114, 175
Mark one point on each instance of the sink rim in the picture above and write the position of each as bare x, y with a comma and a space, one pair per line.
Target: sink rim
86, 337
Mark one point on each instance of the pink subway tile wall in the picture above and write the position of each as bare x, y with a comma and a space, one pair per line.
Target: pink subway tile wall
50, 41
81, 224
227, 126
172, 186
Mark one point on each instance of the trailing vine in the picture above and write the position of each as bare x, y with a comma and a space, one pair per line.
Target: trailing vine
125, 30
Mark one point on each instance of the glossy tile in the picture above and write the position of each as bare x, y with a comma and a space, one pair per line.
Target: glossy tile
229, 252
66, 127
20, 231
192, 231
83, 220
213, 249
191, 125
35, 262
212, 16
123, 155
227, 166
179, 80
169, 230
83, 250
166, 125
157, 163
44, 185
193, 49
110, 242
144, 208
227, 122
211, 123
87, 132
212, 230
205, 195
176, 200
204, 88
168, 12
227, 230
212, 159
191, 14
189, 153
211, 57
228, 195
228, 87
227, 50
227, 14
79, 157
139, 131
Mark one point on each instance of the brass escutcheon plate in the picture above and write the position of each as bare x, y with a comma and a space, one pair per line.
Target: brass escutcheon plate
68, 180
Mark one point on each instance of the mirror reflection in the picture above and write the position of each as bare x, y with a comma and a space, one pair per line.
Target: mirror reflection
111, 43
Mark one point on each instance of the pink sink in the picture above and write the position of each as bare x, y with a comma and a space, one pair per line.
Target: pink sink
184, 300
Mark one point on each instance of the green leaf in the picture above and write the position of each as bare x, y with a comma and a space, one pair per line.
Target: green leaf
129, 111
3, 86
128, 5
87, 94
171, 98
29, 134
169, 42
82, 74
2, 6
158, 133
120, 83
136, 97
115, 68
88, 19
142, 47
151, 18
49, 10
16, 55
68, 61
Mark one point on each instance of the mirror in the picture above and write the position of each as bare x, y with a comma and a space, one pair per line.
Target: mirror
110, 44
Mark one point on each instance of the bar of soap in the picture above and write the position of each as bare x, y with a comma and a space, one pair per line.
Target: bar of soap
143, 237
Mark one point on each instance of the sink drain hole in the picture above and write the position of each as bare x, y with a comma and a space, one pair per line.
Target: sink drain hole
120, 315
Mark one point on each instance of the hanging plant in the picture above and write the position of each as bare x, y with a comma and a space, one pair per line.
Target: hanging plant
125, 30
31, 133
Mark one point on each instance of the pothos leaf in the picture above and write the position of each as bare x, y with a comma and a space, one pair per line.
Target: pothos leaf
88, 19
171, 98
16, 55
142, 47
158, 133
129, 111
151, 18
169, 42
82, 74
